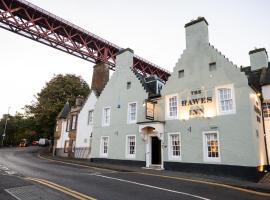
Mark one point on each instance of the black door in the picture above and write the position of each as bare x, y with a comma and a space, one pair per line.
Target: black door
156, 151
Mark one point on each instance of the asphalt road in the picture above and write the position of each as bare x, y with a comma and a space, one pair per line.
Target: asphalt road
104, 184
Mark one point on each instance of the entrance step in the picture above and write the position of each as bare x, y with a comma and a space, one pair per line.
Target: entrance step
156, 167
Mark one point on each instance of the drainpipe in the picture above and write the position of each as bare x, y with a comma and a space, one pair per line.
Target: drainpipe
264, 134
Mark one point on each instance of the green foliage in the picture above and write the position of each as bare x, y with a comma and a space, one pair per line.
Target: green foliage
51, 100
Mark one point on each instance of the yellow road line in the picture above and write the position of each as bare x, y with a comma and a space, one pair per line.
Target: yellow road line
63, 189
75, 164
208, 183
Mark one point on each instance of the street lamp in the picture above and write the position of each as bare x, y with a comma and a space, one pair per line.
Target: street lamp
4, 133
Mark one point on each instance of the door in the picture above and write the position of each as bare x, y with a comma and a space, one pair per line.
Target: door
156, 151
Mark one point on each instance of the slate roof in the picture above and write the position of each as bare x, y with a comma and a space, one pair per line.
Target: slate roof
257, 78
64, 112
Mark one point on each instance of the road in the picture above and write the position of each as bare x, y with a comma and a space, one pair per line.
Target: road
97, 183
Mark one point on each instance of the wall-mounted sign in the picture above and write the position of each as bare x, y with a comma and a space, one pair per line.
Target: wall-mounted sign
195, 102
149, 110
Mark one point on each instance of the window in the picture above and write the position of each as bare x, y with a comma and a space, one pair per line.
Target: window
74, 121
104, 146
225, 98
68, 125
174, 145
172, 106
90, 117
132, 112
106, 116
131, 146
211, 146
212, 66
128, 85
181, 73
266, 109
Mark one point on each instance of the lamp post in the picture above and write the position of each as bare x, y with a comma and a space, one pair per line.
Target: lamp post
4, 133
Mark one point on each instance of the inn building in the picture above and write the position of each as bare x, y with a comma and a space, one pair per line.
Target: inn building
210, 116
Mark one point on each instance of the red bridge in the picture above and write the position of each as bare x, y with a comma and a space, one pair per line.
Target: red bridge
26, 19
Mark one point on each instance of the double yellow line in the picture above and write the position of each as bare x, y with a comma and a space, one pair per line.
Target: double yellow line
63, 189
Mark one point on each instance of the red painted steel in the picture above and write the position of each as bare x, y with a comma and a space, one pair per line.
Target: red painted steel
26, 19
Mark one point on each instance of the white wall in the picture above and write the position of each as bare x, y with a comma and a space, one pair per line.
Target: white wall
63, 137
84, 129
266, 92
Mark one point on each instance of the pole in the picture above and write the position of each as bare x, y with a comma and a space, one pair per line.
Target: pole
4, 134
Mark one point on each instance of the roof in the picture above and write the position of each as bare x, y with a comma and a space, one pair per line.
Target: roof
257, 78
64, 112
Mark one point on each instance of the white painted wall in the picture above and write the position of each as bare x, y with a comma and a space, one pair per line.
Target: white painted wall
266, 92
64, 135
84, 129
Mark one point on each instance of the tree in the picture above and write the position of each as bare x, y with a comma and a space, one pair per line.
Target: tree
51, 99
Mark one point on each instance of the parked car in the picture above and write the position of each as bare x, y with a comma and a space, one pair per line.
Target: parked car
43, 142
34, 142
24, 143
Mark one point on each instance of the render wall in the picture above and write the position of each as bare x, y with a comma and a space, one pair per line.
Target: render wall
116, 96
84, 130
239, 144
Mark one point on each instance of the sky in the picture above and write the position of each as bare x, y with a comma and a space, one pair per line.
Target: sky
154, 29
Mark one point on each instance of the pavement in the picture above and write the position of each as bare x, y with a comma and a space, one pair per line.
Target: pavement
28, 175
196, 177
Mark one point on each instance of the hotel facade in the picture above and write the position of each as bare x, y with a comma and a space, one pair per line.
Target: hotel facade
210, 116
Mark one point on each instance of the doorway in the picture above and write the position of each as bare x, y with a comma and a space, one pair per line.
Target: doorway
156, 151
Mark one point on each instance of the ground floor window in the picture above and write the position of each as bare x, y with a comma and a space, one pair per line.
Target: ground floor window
211, 146
131, 146
174, 146
104, 146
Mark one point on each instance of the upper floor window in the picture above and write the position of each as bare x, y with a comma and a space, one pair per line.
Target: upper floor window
74, 122
106, 118
225, 99
211, 146
90, 117
172, 106
181, 73
68, 125
131, 146
128, 85
212, 66
174, 146
266, 109
132, 112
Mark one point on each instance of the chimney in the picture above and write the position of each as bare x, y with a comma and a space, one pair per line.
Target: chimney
125, 58
258, 58
79, 101
100, 77
197, 33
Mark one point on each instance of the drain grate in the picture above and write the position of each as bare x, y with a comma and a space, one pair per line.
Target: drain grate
34, 192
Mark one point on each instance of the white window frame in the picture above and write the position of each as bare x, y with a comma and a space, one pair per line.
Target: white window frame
128, 155
74, 122
92, 117
167, 107
102, 154
218, 106
205, 149
103, 116
129, 121
170, 153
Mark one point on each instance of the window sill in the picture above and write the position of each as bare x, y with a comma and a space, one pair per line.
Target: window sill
210, 160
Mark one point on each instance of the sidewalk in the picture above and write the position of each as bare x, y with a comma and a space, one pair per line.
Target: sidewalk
13, 187
182, 176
